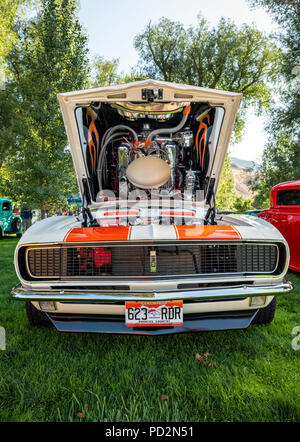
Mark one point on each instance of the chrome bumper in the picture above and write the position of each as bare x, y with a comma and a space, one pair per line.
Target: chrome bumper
103, 296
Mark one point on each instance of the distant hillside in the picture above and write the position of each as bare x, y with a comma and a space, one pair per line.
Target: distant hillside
243, 171
237, 163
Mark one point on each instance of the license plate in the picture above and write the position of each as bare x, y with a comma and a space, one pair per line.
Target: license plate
154, 314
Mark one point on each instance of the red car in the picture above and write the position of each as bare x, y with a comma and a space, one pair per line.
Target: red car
284, 214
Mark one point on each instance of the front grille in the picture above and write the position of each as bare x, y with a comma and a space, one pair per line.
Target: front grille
150, 261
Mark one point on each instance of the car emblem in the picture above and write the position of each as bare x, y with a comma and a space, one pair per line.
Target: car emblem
153, 262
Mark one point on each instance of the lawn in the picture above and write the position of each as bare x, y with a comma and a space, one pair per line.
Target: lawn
49, 376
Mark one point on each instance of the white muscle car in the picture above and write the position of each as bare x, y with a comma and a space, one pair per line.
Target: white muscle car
149, 254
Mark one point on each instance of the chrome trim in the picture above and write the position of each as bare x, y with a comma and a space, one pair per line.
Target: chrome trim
259, 278
146, 108
22, 293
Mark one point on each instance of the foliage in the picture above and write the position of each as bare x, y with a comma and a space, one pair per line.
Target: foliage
278, 165
133, 76
227, 197
106, 72
227, 194
242, 204
281, 159
48, 57
287, 14
9, 10
223, 57
9, 123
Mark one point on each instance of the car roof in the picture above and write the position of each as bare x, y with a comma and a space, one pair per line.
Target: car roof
287, 185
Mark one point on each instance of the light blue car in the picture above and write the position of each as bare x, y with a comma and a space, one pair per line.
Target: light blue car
9, 223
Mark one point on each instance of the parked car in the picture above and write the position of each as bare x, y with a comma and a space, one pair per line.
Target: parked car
9, 222
149, 254
284, 214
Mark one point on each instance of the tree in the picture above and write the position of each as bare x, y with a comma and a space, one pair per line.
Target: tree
8, 112
227, 194
9, 10
277, 166
9, 123
281, 158
227, 197
223, 57
106, 72
287, 14
49, 57
133, 76
242, 204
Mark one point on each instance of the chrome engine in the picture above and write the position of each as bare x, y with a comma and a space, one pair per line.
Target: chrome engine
166, 151
151, 162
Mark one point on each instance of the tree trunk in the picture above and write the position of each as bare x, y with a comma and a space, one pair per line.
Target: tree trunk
43, 209
42, 201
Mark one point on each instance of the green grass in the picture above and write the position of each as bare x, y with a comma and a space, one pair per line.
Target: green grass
49, 376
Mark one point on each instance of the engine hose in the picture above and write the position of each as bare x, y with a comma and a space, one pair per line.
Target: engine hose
170, 130
102, 155
107, 138
109, 132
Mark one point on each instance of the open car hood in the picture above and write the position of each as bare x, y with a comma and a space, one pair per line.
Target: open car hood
145, 99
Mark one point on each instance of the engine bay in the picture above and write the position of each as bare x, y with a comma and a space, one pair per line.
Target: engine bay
137, 152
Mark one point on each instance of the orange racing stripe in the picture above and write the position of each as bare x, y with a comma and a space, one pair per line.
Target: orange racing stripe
89, 234
206, 232
123, 233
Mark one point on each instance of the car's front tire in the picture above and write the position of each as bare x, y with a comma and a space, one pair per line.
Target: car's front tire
35, 317
16, 225
265, 315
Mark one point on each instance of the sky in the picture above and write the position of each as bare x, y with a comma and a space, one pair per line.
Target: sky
111, 26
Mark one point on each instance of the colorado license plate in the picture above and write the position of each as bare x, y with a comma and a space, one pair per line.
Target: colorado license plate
154, 314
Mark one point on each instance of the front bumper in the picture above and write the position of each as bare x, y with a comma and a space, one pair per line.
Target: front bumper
104, 296
191, 323
97, 323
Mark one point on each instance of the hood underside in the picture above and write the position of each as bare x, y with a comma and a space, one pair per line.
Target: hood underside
149, 137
